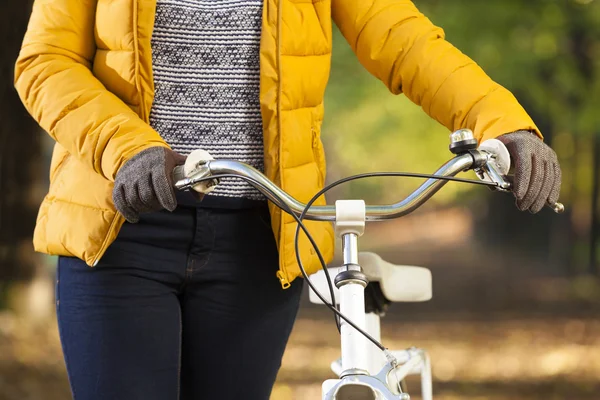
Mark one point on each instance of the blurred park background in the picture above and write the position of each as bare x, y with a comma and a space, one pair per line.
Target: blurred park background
516, 306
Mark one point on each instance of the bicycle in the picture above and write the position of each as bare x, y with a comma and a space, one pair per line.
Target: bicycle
366, 371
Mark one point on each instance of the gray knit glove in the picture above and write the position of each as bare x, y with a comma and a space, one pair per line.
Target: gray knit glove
145, 183
537, 176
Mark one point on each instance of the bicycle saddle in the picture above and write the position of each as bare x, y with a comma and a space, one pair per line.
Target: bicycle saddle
399, 283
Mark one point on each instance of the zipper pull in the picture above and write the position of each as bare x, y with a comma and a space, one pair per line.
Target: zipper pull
283, 280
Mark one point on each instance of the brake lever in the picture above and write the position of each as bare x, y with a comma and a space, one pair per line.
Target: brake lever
492, 171
199, 180
195, 173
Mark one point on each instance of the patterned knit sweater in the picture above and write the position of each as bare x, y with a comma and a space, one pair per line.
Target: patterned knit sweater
205, 56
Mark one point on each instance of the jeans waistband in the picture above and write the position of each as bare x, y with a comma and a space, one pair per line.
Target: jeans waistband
188, 199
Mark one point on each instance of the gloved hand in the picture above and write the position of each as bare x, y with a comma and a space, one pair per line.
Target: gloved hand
537, 176
145, 183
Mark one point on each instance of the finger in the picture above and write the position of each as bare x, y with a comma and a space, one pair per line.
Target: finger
165, 194
555, 192
535, 184
147, 198
177, 160
522, 177
133, 198
547, 184
122, 206
131, 216
118, 196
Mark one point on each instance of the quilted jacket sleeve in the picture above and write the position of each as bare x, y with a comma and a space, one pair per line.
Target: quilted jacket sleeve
54, 80
401, 47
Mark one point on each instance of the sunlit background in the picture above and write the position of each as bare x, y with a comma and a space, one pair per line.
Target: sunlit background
516, 306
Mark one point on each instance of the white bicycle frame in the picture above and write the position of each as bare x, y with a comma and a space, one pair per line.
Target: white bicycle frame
363, 368
364, 371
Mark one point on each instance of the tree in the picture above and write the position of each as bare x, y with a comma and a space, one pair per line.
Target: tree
20, 167
547, 53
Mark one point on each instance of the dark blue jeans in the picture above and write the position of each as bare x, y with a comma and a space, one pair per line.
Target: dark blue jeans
183, 305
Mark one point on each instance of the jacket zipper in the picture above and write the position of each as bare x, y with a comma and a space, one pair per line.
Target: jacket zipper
282, 274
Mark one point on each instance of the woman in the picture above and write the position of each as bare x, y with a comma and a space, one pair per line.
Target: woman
183, 300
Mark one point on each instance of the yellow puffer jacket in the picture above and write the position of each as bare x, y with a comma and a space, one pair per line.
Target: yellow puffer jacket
85, 74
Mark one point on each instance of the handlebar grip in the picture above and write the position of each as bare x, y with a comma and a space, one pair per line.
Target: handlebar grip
557, 207
178, 173
191, 174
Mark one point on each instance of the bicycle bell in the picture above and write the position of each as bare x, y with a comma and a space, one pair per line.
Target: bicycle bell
462, 141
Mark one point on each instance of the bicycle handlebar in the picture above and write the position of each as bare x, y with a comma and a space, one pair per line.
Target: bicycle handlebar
480, 160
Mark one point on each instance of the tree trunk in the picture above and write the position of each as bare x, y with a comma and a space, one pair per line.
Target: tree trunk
20, 164
595, 226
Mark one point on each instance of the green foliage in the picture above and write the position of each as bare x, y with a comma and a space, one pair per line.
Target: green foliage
544, 50
382, 132
547, 52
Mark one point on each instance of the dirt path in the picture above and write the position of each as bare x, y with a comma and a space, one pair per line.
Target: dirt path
496, 360
499, 359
